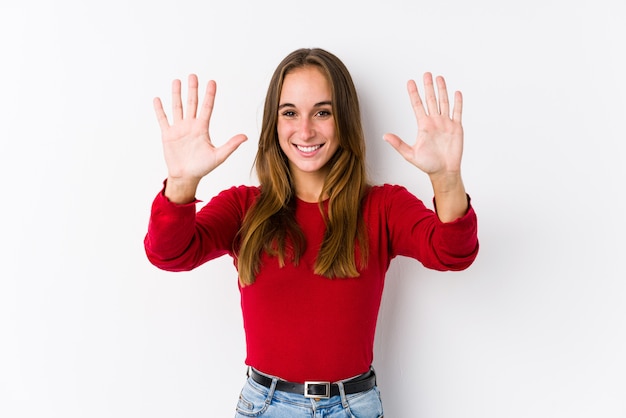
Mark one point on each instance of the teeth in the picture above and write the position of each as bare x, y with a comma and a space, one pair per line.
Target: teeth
308, 149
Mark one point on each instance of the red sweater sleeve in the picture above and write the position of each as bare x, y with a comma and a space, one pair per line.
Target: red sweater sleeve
416, 231
179, 238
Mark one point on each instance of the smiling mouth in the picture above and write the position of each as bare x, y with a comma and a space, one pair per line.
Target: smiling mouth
309, 149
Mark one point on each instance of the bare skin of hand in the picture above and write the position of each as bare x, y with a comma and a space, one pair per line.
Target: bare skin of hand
187, 147
439, 145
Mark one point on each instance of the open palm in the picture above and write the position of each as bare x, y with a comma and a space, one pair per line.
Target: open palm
187, 147
439, 145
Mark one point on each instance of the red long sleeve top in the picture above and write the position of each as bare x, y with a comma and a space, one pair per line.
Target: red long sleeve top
298, 325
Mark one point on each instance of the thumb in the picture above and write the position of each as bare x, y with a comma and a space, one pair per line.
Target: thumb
399, 145
224, 151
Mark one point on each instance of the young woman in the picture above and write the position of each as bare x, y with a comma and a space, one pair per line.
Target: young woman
313, 241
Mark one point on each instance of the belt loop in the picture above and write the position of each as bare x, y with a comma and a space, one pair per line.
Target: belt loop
342, 393
272, 389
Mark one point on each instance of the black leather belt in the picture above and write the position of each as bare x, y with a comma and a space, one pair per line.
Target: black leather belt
321, 390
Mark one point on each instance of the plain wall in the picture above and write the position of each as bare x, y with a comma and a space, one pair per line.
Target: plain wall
535, 328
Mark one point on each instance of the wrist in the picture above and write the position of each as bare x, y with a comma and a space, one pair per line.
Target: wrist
450, 196
446, 182
181, 190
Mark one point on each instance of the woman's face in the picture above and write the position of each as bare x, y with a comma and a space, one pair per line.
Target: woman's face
306, 124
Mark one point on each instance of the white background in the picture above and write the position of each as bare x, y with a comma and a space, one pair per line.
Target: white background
535, 328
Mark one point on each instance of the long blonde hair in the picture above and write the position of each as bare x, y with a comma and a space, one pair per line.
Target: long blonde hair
270, 223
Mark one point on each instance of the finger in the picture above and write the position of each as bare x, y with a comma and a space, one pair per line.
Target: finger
224, 151
442, 91
399, 145
416, 101
457, 110
192, 96
160, 114
207, 104
429, 93
177, 105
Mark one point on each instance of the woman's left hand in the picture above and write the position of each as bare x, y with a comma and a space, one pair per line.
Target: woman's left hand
439, 145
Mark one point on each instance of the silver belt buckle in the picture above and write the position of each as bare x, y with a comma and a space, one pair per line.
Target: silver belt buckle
326, 385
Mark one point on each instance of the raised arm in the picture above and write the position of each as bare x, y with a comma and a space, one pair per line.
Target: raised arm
439, 145
187, 147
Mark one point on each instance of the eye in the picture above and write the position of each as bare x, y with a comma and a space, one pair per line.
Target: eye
323, 114
288, 113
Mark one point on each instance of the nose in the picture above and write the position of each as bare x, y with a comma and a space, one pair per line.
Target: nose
306, 129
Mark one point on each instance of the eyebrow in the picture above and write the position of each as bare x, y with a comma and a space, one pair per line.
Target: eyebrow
320, 104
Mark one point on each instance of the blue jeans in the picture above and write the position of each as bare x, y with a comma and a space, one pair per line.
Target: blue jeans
256, 400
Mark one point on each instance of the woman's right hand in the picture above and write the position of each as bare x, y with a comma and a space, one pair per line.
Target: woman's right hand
187, 147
